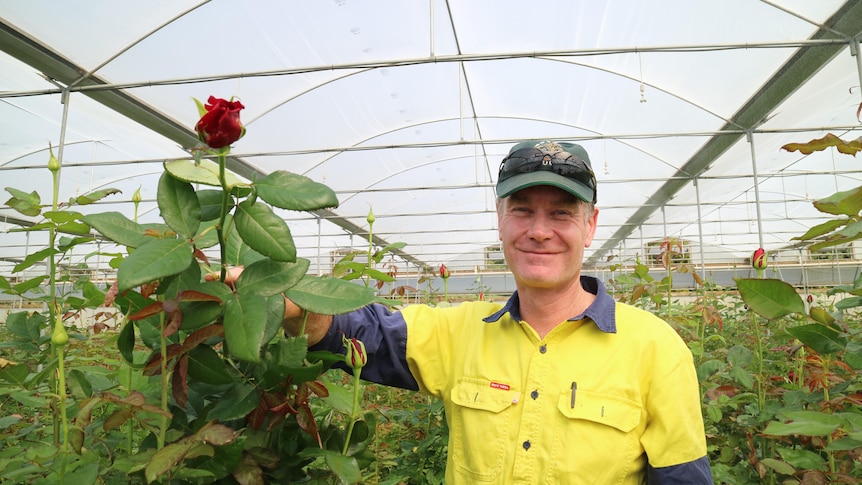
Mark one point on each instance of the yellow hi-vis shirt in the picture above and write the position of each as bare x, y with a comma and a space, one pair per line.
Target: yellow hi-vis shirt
608, 397
584, 405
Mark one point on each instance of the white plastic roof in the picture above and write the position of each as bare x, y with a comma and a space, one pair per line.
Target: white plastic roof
407, 107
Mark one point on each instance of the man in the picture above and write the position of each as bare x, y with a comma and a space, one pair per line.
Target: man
561, 384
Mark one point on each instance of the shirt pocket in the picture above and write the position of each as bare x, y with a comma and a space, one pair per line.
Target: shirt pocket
598, 440
480, 428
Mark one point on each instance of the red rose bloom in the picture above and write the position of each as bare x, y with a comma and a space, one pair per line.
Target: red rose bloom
220, 126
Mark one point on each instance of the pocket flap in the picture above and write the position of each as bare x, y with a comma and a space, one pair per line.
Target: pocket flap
482, 394
610, 410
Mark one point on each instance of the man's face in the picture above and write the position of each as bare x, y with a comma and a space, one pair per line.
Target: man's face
544, 231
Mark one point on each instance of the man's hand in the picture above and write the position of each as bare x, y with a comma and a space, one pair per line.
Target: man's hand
316, 325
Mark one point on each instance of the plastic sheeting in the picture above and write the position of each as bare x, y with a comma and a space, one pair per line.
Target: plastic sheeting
407, 108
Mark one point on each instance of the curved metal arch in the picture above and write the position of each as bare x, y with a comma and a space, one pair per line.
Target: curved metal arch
475, 116
568, 125
34, 152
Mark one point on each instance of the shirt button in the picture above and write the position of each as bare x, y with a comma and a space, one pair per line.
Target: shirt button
543, 348
527, 445
534, 394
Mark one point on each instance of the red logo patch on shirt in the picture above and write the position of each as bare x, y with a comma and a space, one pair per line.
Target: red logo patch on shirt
497, 385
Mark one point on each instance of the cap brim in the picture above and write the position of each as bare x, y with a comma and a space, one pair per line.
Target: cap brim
542, 177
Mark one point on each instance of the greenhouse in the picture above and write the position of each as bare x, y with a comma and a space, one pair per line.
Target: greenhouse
373, 135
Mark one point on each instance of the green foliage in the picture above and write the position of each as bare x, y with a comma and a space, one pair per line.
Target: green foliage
203, 386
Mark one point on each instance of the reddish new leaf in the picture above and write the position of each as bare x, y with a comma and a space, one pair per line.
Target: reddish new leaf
117, 419
153, 366
111, 294
318, 387
147, 311
305, 419
201, 335
179, 384
192, 295
175, 319
258, 416
201, 256
148, 289
216, 434
248, 471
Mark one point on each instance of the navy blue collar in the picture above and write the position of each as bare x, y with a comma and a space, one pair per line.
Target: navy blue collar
601, 311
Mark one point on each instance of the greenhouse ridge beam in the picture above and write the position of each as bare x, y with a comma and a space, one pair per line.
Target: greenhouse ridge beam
806, 62
58, 69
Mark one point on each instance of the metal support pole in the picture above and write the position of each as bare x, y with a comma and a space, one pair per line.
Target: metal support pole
319, 256
699, 227
855, 51
750, 139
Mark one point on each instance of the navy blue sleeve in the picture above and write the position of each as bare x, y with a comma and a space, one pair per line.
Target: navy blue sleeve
695, 472
384, 335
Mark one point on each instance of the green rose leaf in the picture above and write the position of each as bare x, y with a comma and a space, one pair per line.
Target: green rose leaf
237, 251
236, 403
60, 217
264, 231
118, 228
207, 236
201, 172
166, 458
28, 285
847, 203
822, 229
179, 205
196, 314
274, 316
267, 277
67, 243
329, 296
245, 326
93, 197
799, 427
805, 423
770, 298
295, 192
27, 204
206, 366
158, 259
823, 339
25, 325
32, 259
345, 467
803, 459
210, 201
126, 342
779, 466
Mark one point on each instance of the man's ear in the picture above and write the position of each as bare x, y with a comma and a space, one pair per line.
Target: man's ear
592, 224
500, 219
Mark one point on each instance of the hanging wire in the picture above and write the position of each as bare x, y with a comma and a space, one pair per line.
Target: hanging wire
642, 86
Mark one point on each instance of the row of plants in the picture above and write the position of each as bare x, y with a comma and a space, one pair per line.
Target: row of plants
779, 371
199, 384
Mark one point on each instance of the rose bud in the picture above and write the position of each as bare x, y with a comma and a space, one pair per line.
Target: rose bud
758, 259
444, 271
355, 357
